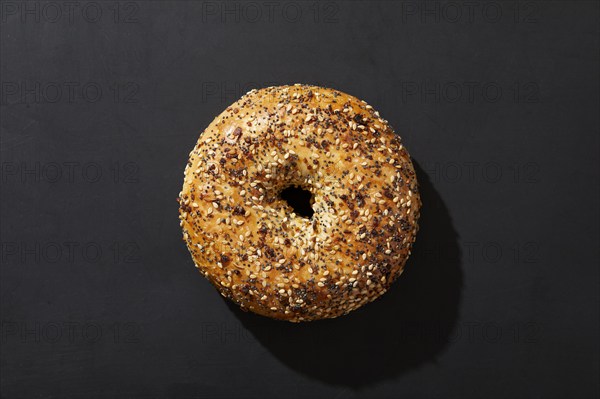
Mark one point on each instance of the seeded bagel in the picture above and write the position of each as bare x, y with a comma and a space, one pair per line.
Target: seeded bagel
250, 243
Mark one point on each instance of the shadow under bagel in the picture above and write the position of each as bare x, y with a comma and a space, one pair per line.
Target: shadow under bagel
407, 327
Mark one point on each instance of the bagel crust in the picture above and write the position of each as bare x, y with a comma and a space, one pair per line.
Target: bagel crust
249, 243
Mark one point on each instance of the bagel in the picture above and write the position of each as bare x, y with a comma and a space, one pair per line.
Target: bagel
252, 245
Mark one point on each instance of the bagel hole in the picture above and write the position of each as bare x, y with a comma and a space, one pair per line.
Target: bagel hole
299, 199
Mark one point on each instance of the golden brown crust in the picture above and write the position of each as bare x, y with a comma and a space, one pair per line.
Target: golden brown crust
248, 242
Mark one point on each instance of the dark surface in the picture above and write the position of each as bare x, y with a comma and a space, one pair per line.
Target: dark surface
498, 106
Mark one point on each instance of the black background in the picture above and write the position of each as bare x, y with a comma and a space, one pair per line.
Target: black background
497, 103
